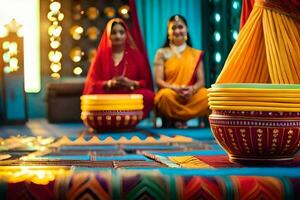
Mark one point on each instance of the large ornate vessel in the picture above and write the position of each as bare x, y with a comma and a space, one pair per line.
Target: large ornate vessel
256, 122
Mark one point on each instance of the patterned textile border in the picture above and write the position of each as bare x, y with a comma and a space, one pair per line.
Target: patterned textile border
154, 185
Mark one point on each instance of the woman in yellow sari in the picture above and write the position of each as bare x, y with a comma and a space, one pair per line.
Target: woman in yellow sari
180, 77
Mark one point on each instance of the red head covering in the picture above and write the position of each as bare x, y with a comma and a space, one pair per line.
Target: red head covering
246, 10
102, 68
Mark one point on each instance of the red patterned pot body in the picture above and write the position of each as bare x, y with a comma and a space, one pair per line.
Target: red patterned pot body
253, 136
111, 120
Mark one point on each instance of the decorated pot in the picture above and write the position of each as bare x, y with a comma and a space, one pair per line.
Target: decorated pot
257, 136
111, 112
111, 120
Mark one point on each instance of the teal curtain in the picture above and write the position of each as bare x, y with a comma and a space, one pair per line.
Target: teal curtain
153, 17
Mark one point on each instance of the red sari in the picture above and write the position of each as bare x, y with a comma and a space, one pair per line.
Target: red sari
133, 66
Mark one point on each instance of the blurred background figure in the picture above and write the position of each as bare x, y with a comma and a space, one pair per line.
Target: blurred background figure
180, 76
119, 67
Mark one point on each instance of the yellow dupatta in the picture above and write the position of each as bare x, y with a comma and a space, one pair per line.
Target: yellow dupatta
180, 70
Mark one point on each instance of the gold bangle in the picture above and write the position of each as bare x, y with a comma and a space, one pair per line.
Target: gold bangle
132, 87
109, 83
113, 82
194, 89
136, 84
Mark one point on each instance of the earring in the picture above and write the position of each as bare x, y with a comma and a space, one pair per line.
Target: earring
185, 37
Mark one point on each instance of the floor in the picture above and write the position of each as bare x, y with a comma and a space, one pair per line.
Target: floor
41, 127
205, 171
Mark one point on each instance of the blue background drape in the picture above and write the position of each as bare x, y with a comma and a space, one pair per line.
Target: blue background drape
153, 17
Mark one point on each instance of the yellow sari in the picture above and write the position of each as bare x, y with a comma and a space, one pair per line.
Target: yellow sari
267, 49
180, 71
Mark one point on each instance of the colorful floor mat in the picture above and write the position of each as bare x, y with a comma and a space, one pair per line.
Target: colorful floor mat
213, 161
143, 164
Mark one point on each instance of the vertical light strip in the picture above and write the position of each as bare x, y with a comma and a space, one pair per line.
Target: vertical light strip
32, 71
54, 31
27, 13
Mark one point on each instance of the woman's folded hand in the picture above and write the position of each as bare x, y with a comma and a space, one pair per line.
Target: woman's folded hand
186, 92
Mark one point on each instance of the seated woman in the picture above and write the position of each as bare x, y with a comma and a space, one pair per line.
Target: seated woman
119, 67
180, 77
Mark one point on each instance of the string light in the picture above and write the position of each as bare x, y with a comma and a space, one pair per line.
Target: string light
218, 57
3, 32
109, 12
77, 70
235, 5
235, 35
92, 13
124, 11
76, 54
76, 32
10, 57
55, 67
55, 16
217, 36
92, 33
217, 17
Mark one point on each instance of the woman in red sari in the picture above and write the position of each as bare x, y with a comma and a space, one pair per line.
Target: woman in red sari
119, 67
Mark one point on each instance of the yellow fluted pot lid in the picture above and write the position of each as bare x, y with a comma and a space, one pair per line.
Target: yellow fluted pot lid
255, 99
253, 103
247, 94
110, 107
257, 86
254, 108
111, 96
254, 90
111, 102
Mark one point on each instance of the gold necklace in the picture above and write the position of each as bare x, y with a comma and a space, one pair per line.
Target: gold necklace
117, 57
